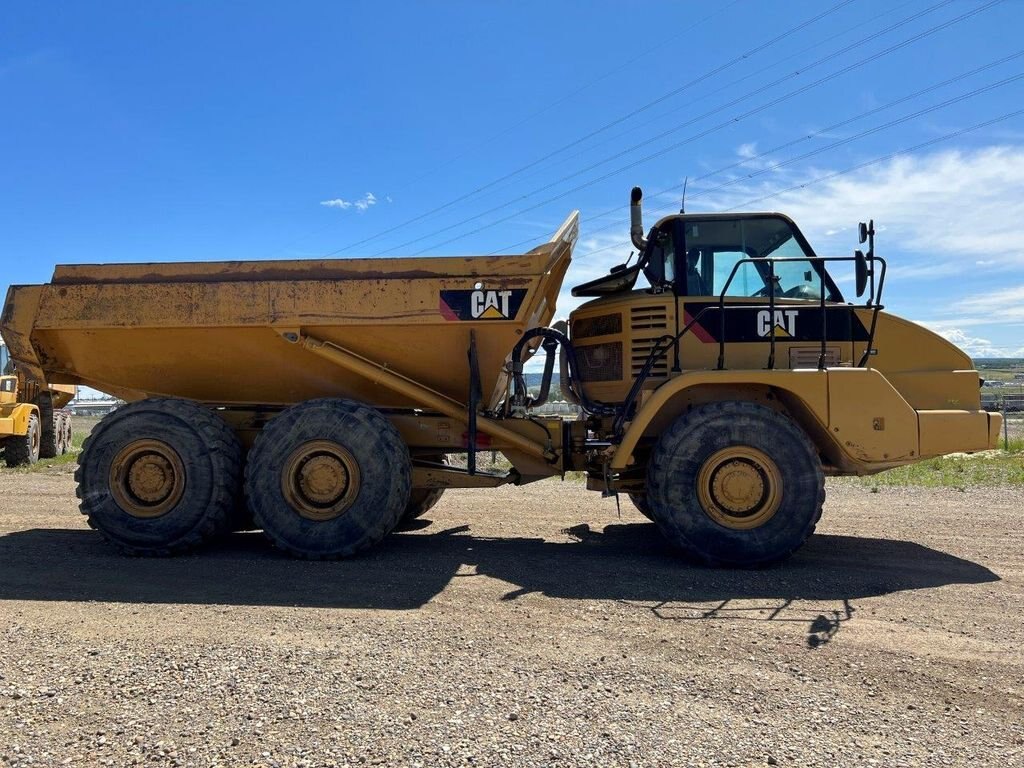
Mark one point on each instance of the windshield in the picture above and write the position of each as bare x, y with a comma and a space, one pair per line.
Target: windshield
4, 359
715, 246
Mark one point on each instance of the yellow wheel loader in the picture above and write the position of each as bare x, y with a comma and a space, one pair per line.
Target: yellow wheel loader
326, 393
32, 422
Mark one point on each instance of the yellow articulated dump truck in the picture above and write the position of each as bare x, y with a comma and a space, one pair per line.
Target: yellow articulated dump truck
32, 424
327, 394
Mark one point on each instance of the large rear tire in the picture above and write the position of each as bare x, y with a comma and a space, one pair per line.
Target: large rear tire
49, 442
22, 450
422, 500
735, 484
328, 478
159, 476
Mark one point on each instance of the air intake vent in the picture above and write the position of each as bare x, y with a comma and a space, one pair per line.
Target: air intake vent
602, 325
807, 357
641, 350
600, 362
648, 317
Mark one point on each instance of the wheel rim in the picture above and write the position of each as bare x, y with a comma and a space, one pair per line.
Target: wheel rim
739, 487
35, 441
147, 478
320, 480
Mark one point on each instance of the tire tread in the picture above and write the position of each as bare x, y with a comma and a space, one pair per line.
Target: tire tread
220, 441
679, 436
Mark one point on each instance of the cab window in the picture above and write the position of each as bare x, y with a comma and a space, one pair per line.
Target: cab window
714, 247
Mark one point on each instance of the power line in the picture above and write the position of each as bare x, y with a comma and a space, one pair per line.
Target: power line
691, 121
601, 129
890, 156
813, 135
885, 52
637, 125
874, 161
647, 50
862, 134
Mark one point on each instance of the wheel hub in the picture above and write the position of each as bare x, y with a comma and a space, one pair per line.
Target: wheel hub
151, 478
739, 487
147, 478
320, 480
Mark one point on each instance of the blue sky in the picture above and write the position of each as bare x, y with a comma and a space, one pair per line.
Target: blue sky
149, 132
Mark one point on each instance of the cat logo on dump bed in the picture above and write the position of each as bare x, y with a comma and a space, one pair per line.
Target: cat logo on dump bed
482, 304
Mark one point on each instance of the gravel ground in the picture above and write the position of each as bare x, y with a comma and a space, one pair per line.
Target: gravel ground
522, 627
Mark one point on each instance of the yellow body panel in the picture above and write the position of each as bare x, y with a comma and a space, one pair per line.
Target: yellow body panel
945, 432
693, 387
14, 418
212, 332
907, 404
869, 419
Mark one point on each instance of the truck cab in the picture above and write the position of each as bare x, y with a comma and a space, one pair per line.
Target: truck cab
736, 305
31, 424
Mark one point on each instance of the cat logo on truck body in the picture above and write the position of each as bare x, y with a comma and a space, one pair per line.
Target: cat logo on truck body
792, 323
482, 304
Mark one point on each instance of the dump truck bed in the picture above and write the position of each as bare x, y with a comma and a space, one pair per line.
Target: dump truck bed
215, 331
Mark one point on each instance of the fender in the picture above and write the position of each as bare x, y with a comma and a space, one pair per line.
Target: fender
14, 419
808, 389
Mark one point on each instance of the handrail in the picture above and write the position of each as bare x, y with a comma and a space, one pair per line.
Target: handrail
664, 343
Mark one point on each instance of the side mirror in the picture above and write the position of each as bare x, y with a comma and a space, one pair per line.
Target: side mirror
863, 233
860, 264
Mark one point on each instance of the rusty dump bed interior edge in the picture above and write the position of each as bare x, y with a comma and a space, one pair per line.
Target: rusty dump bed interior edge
306, 269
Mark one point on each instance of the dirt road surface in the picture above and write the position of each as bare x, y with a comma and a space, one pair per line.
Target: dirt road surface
520, 627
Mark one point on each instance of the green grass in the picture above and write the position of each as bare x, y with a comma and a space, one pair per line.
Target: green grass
959, 471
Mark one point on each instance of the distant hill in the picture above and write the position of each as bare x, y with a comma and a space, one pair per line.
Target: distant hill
533, 384
999, 362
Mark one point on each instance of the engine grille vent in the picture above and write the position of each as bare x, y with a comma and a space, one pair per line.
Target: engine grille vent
648, 317
602, 325
807, 357
600, 362
641, 350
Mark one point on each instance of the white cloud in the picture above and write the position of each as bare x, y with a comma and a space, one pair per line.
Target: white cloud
974, 346
747, 150
1001, 306
954, 204
360, 205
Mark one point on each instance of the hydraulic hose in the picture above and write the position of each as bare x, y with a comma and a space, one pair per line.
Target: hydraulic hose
552, 339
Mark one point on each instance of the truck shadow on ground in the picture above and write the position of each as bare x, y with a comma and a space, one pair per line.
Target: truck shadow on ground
629, 563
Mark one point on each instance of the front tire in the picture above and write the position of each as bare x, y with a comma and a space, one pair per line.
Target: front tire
159, 476
735, 484
328, 478
22, 450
